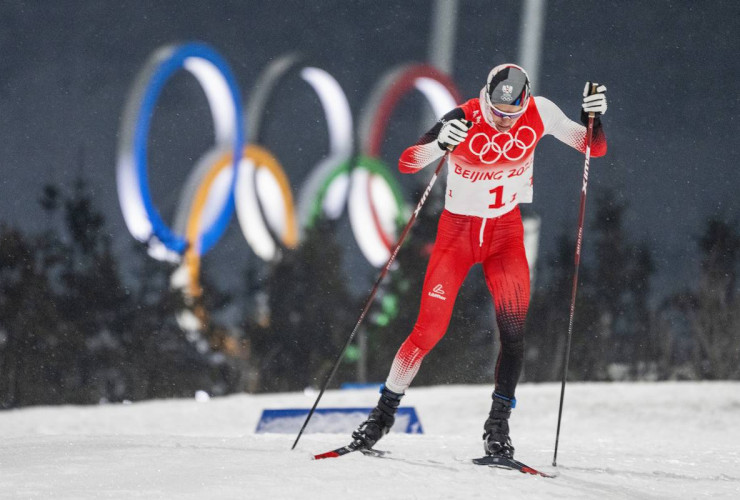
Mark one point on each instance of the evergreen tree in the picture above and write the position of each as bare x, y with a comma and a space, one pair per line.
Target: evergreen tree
713, 311
30, 323
547, 321
72, 332
612, 335
92, 298
620, 290
310, 315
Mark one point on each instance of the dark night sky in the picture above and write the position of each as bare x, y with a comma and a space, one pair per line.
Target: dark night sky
671, 69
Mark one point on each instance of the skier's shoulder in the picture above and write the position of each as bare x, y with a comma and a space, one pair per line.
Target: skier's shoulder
470, 107
549, 112
543, 104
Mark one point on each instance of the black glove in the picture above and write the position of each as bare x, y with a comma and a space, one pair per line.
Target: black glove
594, 101
453, 133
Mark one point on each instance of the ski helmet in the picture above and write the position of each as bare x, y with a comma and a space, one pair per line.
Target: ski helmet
506, 84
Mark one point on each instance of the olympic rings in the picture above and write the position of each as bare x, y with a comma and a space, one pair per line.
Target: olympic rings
141, 216
330, 177
438, 89
490, 144
374, 186
332, 187
207, 185
333, 101
265, 206
262, 180
264, 201
249, 178
442, 95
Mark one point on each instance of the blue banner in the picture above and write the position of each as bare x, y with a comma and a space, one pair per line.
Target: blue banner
331, 420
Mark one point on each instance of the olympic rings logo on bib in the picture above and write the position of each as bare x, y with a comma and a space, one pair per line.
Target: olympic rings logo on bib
513, 149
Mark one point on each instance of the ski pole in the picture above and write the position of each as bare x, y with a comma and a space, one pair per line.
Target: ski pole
371, 297
579, 241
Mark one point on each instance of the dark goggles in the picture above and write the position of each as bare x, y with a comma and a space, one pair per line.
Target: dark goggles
504, 114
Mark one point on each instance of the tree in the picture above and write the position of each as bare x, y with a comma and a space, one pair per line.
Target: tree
620, 289
30, 322
612, 335
547, 321
713, 312
92, 298
71, 330
310, 315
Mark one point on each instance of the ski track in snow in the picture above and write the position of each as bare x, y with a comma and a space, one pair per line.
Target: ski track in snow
619, 440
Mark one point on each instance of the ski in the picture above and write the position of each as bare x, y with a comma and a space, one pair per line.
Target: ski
489, 460
354, 446
338, 452
508, 463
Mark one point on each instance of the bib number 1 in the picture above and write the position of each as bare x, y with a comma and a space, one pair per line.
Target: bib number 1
498, 197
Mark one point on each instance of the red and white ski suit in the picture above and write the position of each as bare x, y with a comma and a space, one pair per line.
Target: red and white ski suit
488, 175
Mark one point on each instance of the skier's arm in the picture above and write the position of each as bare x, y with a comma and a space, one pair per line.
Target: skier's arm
430, 146
566, 130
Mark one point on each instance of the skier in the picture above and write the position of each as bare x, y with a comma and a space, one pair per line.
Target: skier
491, 141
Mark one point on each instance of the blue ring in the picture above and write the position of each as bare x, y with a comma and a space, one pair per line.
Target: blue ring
156, 84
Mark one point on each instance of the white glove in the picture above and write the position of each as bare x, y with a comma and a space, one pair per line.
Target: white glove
594, 100
453, 133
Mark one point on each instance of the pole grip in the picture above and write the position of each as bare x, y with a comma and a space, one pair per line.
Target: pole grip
592, 91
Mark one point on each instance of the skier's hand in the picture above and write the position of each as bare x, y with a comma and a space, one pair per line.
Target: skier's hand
594, 101
453, 133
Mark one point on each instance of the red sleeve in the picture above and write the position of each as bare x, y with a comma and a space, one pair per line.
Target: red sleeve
426, 149
566, 130
598, 142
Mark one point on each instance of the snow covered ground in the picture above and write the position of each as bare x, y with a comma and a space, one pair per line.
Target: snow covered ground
646, 440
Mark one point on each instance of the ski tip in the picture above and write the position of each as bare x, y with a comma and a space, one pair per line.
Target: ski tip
354, 446
535, 472
509, 463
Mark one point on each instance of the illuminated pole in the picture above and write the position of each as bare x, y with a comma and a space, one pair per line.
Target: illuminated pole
442, 41
530, 38
441, 44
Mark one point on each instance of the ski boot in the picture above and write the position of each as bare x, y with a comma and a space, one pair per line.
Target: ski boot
496, 440
380, 420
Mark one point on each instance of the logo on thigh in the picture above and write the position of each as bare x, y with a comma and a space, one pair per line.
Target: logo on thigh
438, 292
